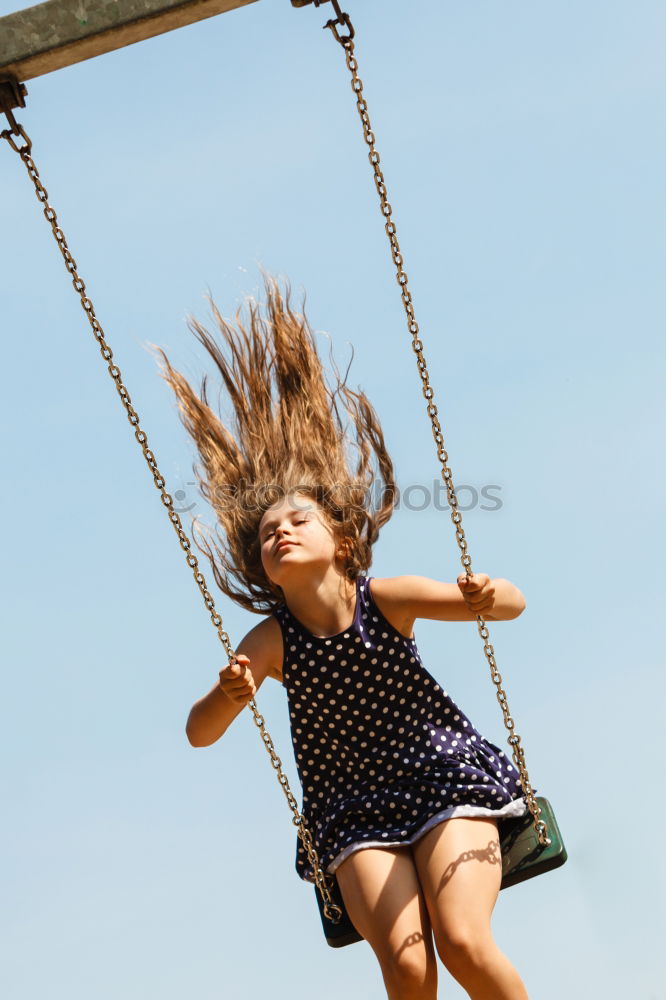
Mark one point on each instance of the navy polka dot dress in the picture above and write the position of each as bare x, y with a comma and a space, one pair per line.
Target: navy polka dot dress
383, 754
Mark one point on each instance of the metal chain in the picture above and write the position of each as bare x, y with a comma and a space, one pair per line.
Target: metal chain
342, 21
16, 131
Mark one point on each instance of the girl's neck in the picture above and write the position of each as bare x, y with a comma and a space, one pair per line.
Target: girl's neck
326, 606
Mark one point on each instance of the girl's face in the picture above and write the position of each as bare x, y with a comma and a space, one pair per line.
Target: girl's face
294, 535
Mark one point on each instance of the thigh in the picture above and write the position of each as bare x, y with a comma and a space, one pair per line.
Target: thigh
384, 899
459, 865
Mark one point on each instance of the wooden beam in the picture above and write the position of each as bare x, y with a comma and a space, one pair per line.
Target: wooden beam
57, 33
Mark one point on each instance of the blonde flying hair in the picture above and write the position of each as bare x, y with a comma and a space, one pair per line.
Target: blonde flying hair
289, 434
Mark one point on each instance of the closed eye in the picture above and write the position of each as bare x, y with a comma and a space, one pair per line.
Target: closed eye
271, 531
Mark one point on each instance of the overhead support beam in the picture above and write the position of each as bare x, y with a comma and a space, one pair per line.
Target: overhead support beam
58, 33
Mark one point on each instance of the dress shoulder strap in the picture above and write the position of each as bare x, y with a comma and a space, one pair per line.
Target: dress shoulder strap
282, 615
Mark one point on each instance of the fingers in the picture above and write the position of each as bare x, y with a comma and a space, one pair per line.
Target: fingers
238, 667
478, 591
236, 679
475, 582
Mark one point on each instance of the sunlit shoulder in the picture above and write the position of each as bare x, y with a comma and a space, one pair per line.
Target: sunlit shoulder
263, 645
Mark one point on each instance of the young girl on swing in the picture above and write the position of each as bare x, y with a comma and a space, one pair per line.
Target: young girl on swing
401, 794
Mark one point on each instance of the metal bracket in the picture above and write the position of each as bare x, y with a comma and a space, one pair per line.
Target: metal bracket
12, 93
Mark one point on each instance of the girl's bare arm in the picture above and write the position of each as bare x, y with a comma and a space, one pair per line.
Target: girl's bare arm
407, 598
211, 716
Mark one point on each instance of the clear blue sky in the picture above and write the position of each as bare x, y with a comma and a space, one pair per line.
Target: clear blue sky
524, 150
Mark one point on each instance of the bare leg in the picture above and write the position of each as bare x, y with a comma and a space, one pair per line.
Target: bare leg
383, 897
459, 867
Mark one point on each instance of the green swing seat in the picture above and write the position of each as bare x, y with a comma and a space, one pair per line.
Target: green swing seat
523, 857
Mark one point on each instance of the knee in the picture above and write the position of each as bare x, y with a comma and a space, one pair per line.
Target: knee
465, 952
410, 974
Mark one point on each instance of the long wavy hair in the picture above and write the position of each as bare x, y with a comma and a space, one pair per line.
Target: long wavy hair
290, 432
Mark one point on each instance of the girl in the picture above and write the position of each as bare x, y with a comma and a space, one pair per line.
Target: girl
401, 793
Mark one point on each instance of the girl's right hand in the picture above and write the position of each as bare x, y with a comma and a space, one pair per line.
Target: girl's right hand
237, 682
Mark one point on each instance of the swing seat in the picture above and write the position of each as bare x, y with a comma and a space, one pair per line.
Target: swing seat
523, 857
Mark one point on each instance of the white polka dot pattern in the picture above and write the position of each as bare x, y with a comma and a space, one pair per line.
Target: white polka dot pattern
382, 752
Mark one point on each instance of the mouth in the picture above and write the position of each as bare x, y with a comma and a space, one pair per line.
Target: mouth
282, 545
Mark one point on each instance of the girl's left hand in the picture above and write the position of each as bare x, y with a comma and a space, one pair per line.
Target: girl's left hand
478, 592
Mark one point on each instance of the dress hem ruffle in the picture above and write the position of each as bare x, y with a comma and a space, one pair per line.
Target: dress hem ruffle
517, 807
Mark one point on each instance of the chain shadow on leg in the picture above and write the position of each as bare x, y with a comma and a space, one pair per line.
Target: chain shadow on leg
459, 866
383, 897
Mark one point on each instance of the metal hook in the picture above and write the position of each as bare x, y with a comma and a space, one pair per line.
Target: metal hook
13, 124
342, 19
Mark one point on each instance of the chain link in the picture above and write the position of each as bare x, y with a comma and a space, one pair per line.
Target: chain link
347, 43
24, 150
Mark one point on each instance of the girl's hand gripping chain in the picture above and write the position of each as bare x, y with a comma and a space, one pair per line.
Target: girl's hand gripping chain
478, 592
236, 680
